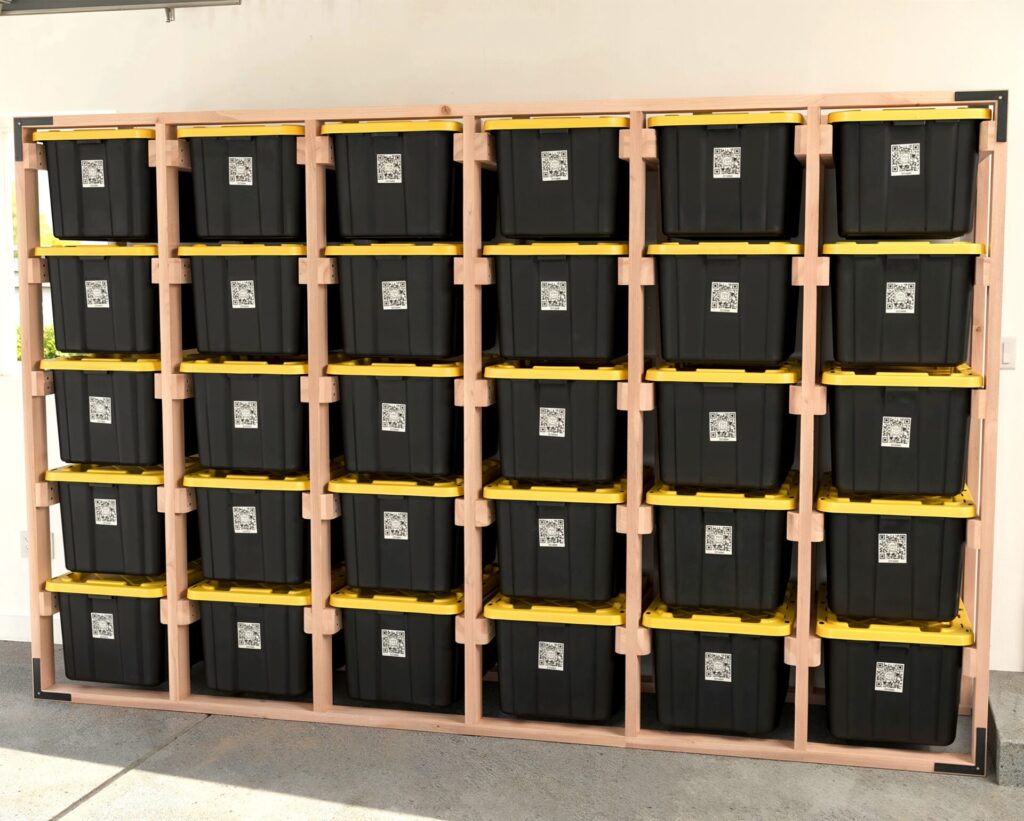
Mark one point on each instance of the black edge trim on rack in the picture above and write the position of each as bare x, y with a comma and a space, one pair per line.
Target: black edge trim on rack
38, 691
21, 122
1002, 101
978, 767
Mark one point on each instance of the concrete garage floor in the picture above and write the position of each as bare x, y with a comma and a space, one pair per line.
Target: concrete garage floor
59, 760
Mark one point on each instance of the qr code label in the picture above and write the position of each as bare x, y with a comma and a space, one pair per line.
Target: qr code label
900, 297
392, 643
93, 175
96, 294
243, 519
104, 512
896, 431
239, 170
551, 532
393, 295
725, 163
889, 677
554, 166
718, 540
554, 295
392, 417
551, 422
250, 637
725, 297
551, 656
243, 294
100, 411
905, 160
102, 625
247, 414
396, 525
722, 426
389, 168
892, 548
718, 667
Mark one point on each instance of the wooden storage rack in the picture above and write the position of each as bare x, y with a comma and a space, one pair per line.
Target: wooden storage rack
475, 150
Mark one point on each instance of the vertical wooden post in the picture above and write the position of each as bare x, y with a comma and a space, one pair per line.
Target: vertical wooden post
30, 298
173, 406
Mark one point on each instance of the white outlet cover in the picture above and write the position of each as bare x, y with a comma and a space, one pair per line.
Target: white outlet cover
1008, 353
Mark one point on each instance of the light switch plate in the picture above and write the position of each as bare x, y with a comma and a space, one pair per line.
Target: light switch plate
1008, 353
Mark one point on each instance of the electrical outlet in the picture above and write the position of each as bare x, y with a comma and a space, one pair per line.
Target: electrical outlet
1008, 353
24, 545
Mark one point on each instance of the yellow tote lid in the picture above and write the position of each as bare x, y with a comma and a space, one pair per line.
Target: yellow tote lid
548, 611
955, 633
733, 118
959, 377
389, 601
729, 249
255, 367
616, 372
368, 367
116, 585
556, 249
369, 484
868, 115
241, 249
525, 123
830, 500
395, 249
137, 363
659, 616
97, 251
784, 498
228, 480
786, 374
390, 126
287, 595
47, 135
107, 475
194, 131
897, 248
521, 491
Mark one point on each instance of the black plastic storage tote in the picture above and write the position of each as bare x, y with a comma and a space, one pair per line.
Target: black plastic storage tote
724, 428
902, 303
720, 671
247, 182
900, 431
560, 422
557, 660
908, 172
101, 184
559, 300
560, 177
397, 179
723, 548
893, 682
894, 558
727, 303
558, 542
248, 298
729, 175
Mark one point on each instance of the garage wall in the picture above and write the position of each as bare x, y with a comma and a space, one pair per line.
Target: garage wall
289, 53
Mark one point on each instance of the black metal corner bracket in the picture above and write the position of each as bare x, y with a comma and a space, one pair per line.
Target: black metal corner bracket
1000, 98
38, 691
980, 754
19, 123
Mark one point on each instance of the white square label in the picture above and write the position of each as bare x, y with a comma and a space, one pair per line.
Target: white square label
389, 168
551, 532
905, 159
239, 170
250, 635
247, 414
392, 643
889, 677
554, 166
722, 426
551, 655
243, 294
93, 175
718, 540
718, 667
896, 431
96, 294
104, 512
393, 296
100, 410
725, 297
102, 625
900, 297
551, 422
892, 548
392, 417
725, 163
553, 295
396, 525
243, 519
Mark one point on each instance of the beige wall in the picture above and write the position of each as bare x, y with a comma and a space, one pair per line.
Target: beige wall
337, 52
